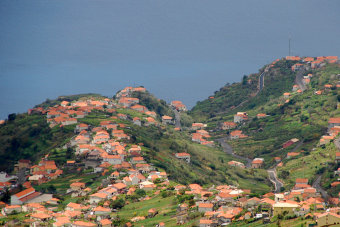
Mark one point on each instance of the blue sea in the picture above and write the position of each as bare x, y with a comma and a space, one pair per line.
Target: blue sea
178, 49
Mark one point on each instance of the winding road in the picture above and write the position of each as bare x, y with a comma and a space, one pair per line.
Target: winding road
299, 79
271, 172
177, 119
317, 186
278, 184
273, 178
337, 143
260, 87
228, 149
261, 79
316, 183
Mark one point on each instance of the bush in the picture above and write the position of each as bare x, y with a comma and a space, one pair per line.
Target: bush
117, 204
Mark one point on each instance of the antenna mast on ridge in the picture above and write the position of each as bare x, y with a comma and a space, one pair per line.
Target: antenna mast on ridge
289, 54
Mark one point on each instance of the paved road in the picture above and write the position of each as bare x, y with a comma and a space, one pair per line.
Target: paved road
261, 79
261, 86
317, 186
177, 119
21, 176
273, 178
337, 143
298, 145
228, 149
271, 172
299, 79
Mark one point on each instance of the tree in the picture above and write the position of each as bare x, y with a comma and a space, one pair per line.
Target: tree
244, 80
191, 202
6, 196
164, 194
69, 153
284, 174
12, 116
117, 204
140, 192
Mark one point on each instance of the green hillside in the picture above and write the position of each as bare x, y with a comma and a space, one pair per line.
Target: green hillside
29, 137
303, 116
226, 100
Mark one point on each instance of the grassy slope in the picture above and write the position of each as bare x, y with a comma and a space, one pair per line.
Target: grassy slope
304, 117
321, 159
208, 165
308, 165
153, 104
296, 222
227, 97
29, 136
277, 80
164, 206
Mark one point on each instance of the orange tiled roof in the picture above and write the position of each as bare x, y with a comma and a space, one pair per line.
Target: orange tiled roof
206, 205
25, 192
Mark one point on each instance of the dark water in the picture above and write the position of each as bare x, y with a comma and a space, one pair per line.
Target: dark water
177, 49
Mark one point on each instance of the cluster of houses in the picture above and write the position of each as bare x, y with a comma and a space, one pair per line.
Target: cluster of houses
68, 113
311, 62
239, 118
104, 148
219, 205
45, 171
200, 135
332, 132
126, 101
127, 91
224, 204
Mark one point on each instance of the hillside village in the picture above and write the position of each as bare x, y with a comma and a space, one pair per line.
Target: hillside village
104, 149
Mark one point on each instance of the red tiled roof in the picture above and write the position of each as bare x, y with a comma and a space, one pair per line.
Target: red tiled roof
334, 120
119, 186
301, 180
206, 205
257, 161
31, 196
25, 192
182, 154
166, 117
